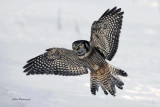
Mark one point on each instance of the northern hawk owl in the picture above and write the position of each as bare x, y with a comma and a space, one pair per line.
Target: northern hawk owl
86, 55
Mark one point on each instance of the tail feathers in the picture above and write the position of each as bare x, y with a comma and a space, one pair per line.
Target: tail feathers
107, 83
117, 71
107, 78
104, 90
118, 82
94, 83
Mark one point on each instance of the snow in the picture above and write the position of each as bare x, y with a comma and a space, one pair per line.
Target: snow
29, 27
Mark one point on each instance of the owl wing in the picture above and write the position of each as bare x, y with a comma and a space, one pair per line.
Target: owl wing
56, 61
106, 31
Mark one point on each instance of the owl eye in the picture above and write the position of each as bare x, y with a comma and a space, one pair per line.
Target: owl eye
75, 48
80, 46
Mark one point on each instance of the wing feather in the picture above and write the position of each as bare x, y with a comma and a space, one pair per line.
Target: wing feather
58, 61
106, 31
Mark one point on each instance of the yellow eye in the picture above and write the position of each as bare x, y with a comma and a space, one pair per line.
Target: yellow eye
80, 46
75, 48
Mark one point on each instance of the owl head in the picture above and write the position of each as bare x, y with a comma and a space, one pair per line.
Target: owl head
81, 47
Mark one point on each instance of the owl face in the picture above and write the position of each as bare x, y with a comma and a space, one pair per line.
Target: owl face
80, 47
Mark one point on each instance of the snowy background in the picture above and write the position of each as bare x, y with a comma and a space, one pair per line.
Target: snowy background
28, 27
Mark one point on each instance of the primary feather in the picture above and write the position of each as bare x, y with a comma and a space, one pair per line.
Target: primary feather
106, 31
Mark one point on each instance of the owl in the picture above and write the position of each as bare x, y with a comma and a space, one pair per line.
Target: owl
87, 56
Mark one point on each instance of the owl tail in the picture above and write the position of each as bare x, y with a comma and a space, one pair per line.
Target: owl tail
107, 78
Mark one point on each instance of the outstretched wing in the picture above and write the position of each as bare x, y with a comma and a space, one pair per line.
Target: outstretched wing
106, 31
56, 61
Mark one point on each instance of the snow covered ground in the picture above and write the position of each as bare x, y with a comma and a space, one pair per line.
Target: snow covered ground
28, 27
